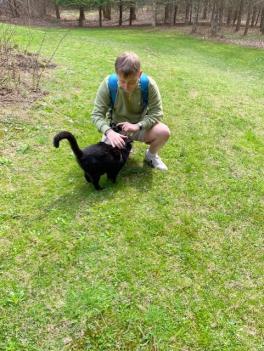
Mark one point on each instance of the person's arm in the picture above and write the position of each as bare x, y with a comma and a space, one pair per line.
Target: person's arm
155, 111
101, 106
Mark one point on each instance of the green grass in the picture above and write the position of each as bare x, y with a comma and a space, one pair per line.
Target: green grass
159, 261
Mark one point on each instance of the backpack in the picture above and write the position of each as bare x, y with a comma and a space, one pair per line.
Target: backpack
113, 86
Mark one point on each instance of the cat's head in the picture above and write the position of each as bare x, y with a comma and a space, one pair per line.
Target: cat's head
118, 129
115, 127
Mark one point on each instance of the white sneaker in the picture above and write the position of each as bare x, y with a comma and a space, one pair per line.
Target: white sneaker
155, 161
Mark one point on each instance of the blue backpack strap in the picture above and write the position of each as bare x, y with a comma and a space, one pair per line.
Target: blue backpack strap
144, 84
113, 86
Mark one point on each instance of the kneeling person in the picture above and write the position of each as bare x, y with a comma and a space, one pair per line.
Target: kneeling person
133, 101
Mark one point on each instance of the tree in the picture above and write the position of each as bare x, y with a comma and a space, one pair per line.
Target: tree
79, 4
167, 13
229, 15
175, 13
107, 11
26, 8
120, 6
81, 16
215, 27
205, 9
42, 8
254, 15
187, 11
57, 11
262, 21
13, 8
197, 10
132, 12
100, 5
239, 17
154, 13
248, 17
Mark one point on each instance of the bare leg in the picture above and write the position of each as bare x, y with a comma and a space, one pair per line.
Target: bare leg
156, 137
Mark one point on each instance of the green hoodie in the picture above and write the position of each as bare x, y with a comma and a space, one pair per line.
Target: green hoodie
128, 108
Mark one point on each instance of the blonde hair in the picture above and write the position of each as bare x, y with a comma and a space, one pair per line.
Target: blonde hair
127, 63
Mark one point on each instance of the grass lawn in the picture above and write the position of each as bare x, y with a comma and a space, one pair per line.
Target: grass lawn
159, 261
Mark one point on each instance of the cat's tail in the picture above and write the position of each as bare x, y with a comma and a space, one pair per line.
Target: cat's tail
67, 135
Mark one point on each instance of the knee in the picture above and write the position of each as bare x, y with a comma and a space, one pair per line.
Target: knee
159, 133
164, 132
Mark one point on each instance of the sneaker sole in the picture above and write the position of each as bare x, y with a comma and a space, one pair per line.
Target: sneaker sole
149, 163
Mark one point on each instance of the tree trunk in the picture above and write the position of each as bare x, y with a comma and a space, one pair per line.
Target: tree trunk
229, 16
239, 17
167, 13
13, 8
81, 17
191, 11
221, 14
248, 17
32, 8
215, 20
214, 25
235, 17
29, 9
120, 13
254, 14
187, 12
57, 10
42, 8
16, 8
154, 13
132, 14
107, 12
195, 22
262, 21
175, 14
257, 19
100, 10
205, 9
213, 14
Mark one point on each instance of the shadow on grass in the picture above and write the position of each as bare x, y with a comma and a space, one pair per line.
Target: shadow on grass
136, 175
133, 175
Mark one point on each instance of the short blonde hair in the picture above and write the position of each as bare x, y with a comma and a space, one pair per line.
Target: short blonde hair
127, 63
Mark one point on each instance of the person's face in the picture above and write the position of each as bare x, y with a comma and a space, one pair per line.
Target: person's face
130, 82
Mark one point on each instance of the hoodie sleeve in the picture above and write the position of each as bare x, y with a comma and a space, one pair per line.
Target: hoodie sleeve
101, 106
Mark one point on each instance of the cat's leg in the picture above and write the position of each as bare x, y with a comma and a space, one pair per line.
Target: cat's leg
95, 180
87, 177
113, 174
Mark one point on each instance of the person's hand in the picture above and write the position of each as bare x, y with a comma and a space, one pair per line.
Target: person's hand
128, 127
116, 139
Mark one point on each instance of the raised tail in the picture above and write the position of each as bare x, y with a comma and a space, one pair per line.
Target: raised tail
67, 135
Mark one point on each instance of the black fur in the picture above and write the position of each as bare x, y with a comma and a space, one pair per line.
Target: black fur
97, 159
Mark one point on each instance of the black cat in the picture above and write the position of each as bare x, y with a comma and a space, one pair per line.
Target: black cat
97, 159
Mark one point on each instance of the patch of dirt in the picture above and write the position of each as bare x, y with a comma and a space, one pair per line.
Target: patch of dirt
37, 22
20, 75
12, 96
251, 43
31, 61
